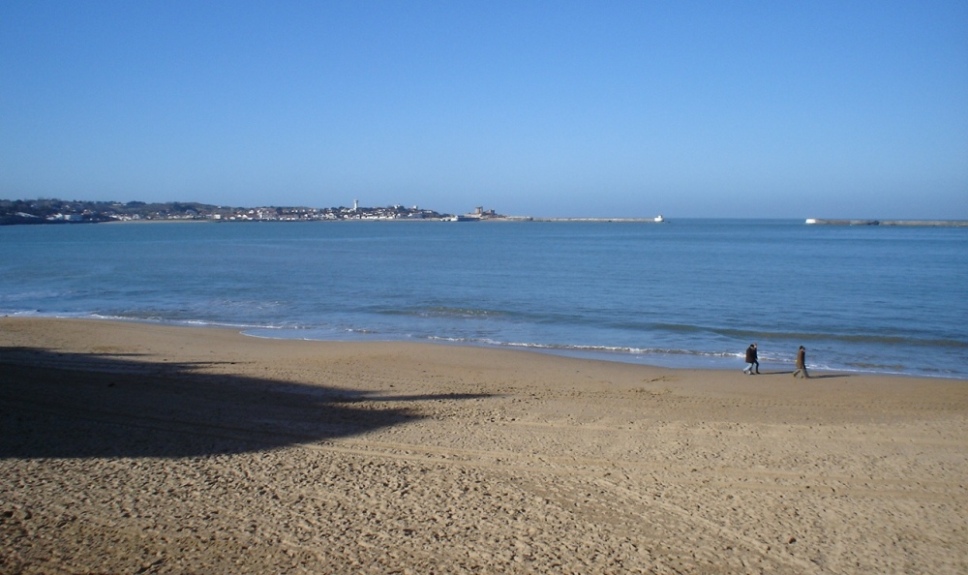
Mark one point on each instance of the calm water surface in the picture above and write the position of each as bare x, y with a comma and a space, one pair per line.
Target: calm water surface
687, 293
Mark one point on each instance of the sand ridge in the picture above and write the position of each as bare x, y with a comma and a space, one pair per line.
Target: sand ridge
131, 447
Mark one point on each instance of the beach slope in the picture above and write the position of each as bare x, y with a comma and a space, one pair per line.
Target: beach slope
136, 448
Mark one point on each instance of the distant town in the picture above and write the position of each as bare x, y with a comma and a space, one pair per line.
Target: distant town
53, 211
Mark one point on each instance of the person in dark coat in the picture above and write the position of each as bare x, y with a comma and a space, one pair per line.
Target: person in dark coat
801, 370
751, 360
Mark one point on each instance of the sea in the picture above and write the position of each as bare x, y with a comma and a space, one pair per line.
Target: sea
685, 293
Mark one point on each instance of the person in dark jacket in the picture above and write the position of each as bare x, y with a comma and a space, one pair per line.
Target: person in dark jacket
751, 360
801, 363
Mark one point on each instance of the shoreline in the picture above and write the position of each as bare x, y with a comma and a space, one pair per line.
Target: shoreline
694, 360
158, 448
107, 325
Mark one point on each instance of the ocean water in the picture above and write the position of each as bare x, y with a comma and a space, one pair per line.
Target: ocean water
687, 293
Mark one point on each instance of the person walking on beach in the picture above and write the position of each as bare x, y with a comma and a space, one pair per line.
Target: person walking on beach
751, 360
801, 363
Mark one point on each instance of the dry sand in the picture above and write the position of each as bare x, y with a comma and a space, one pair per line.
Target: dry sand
132, 448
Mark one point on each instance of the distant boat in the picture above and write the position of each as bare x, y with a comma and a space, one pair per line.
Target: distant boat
658, 219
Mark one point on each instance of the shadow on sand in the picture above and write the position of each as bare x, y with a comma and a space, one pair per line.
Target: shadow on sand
78, 405
813, 376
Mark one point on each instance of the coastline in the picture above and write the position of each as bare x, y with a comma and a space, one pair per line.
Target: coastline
131, 446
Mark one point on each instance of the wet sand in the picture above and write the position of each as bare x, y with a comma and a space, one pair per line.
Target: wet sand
135, 448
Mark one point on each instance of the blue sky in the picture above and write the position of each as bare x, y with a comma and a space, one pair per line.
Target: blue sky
557, 108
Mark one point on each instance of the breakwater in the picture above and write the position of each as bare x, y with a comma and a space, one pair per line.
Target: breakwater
913, 223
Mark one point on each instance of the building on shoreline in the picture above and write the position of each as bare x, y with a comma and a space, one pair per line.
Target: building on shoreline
47, 211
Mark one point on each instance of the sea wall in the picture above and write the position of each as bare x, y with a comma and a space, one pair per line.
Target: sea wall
923, 223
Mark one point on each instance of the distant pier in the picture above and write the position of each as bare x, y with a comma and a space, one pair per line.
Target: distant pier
909, 223
608, 220
659, 219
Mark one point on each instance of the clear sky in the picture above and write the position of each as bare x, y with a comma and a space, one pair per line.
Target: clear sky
553, 108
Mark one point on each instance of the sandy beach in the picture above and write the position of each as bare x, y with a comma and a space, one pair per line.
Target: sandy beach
136, 448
